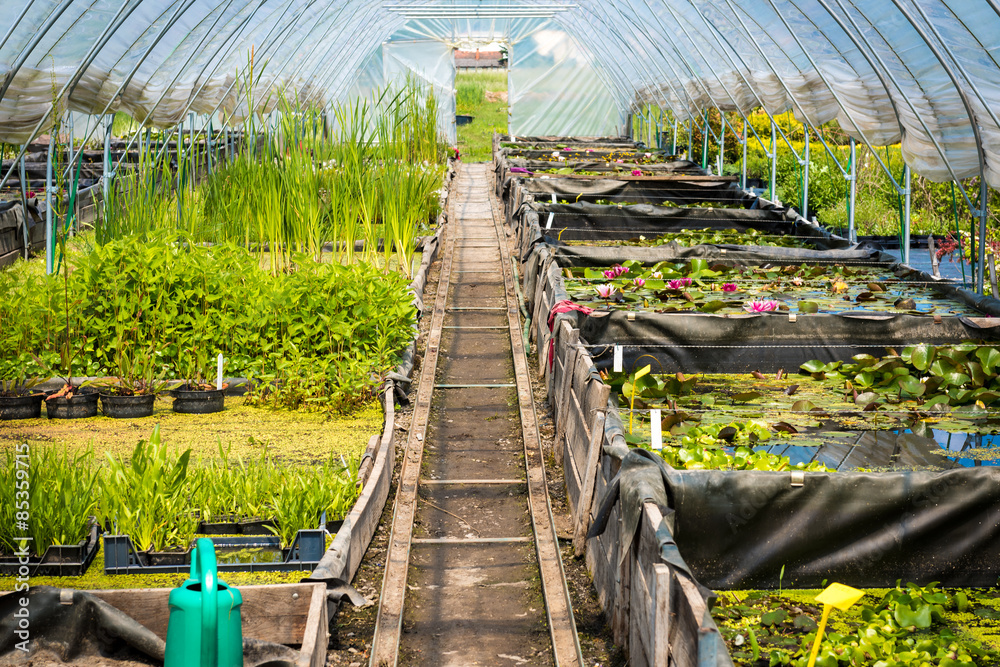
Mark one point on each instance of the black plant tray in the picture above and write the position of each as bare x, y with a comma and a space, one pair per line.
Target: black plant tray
121, 557
255, 527
59, 560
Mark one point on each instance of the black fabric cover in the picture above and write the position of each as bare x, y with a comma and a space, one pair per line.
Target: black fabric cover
737, 529
79, 631
87, 627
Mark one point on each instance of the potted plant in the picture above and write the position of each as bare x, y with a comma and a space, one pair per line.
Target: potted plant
18, 400
132, 391
196, 395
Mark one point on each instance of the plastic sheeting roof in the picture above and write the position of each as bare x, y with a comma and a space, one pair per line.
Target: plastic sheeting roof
923, 72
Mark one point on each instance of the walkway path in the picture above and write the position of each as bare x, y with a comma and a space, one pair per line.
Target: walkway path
473, 575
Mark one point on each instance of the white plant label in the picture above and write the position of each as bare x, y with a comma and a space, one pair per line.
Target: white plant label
655, 430
218, 373
618, 359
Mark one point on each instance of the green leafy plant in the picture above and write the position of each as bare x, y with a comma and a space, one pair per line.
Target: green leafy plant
147, 496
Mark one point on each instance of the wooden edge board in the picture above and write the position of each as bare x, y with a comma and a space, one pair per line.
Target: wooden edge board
558, 605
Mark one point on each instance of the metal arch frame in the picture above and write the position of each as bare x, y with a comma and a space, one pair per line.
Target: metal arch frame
614, 84
898, 87
771, 150
602, 66
645, 73
650, 84
287, 32
905, 191
83, 66
983, 191
808, 121
220, 62
338, 73
30, 46
13, 26
342, 72
181, 8
663, 77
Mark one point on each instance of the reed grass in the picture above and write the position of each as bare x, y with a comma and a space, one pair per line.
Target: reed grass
371, 175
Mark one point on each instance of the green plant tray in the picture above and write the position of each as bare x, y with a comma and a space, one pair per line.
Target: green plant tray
121, 557
59, 560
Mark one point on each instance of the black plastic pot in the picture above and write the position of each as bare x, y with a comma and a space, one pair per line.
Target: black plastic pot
463, 119
127, 407
198, 402
82, 405
21, 407
180, 557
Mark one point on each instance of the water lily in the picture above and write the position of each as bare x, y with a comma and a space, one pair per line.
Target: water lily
605, 291
649, 155
679, 283
637, 172
797, 281
615, 271
656, 274
762, 306
729, 287
639, 282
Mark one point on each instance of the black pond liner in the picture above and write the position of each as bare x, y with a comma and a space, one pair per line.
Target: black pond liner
738, 529
21, 407
557, 224
198, 402
82, 405
463, 119
127, 407
305, 552
577, 165
766, 342
749, 529
547, 140
587, 154
59, 560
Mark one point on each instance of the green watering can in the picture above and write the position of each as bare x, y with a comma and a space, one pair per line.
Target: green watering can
204, 628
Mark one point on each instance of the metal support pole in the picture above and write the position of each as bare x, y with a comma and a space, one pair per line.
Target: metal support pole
983, 203
905, 254
106, 169
771, 194
208, 145
852, 232
673, 140
24, 200
49, 238
805, 176
743, 163
704, 143
191, 148
225, 142
180, 169
69, 161
722, 141
690, 151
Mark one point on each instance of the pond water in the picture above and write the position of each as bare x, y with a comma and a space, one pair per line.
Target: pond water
893, 449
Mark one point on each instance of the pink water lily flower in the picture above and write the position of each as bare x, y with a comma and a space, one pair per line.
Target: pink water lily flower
729, 287
637, 172
679, 283
762, 306
615, 271
605, 291
639, 282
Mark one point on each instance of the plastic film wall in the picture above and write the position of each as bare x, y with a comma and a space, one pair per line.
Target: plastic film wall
921, 72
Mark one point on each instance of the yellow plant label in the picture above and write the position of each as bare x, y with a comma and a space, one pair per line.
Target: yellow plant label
840, 596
